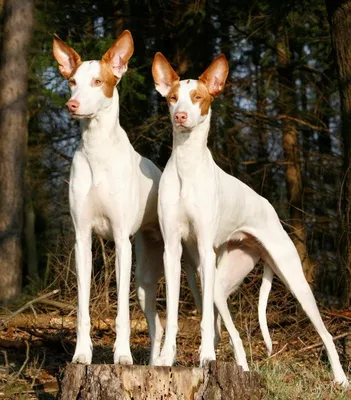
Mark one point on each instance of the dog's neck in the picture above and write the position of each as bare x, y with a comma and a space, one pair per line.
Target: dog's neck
190, 148
104, 129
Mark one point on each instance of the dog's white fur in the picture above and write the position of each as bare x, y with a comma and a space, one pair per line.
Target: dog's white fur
113, 191
208, 209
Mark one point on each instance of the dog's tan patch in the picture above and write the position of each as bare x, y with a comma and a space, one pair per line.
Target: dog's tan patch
109, 81
67, 58
202, 96
215, 75
173, 94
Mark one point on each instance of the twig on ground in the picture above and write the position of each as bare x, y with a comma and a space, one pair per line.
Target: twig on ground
336, 314
11, 344
278, 352
17, 374
27, 305
57, 304
313, 346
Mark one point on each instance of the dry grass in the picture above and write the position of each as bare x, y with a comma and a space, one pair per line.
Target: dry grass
294, 372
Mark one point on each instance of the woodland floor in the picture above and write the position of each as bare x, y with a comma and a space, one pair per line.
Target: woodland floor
36, 344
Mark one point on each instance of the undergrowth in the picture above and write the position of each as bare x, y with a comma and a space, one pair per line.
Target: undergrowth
295, 371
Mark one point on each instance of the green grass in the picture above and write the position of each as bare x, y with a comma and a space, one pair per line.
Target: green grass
294, 380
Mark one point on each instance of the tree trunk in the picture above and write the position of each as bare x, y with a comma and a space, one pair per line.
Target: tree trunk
339, 12
220, 380
287, 105
30, 238
13, 139
324, 108
262, 154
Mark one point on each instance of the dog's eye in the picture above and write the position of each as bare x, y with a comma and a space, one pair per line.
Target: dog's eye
198, 97
98, 82
72, 82
173, 97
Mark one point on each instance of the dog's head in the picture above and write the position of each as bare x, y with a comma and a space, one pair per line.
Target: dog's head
92, 82
189, 100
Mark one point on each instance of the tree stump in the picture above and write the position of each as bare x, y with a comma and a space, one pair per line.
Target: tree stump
219, 380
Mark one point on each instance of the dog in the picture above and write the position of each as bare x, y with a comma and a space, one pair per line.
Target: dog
112, 191
212, 212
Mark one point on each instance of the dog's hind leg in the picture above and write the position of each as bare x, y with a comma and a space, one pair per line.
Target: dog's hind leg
190, 266
262, 306
234, 264
149, 268
284, 259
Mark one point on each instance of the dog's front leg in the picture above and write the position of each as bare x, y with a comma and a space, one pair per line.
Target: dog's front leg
122, 353
83, 351
207, 274
171, 259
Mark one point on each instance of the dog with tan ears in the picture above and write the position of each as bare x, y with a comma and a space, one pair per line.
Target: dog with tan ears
112, 191
214, 213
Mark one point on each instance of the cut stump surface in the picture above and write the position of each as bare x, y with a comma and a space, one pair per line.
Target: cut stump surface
219, 380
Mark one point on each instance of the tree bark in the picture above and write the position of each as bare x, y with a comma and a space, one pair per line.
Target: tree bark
339, 12
262, 154
13, 140
287, 105
30, 236
220, 380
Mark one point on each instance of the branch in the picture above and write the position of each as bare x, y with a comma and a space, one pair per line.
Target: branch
27, 305
313, 346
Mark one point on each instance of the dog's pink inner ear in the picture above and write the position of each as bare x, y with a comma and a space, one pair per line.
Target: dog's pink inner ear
163, 74
67, 58
118, 55
215, 75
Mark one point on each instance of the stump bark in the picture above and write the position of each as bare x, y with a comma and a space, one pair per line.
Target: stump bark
219, 380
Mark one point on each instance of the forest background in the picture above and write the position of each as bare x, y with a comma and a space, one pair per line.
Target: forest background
282, 125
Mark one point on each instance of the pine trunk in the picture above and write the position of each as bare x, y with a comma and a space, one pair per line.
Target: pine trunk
220, 380
339, 12
287, 100
18, 23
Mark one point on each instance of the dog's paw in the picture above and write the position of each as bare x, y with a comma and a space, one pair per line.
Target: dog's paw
123, 358
82, 357
206, 358
83, 352
166, 359
152, 360
163, 361
342, 381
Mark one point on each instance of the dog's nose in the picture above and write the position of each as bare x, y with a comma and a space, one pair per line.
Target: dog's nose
72, 105
180, 117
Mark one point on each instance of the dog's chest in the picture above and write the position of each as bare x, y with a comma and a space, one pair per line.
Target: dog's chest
103, 209
186, 218
105, 187
191, 208
105, 166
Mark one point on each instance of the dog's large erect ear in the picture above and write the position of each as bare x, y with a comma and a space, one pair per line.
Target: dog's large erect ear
118, 55
163, 74
215, 75
67, 58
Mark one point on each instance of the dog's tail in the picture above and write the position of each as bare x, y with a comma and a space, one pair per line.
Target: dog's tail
262, 305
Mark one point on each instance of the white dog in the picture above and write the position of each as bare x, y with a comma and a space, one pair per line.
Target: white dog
113, 191
211, 211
